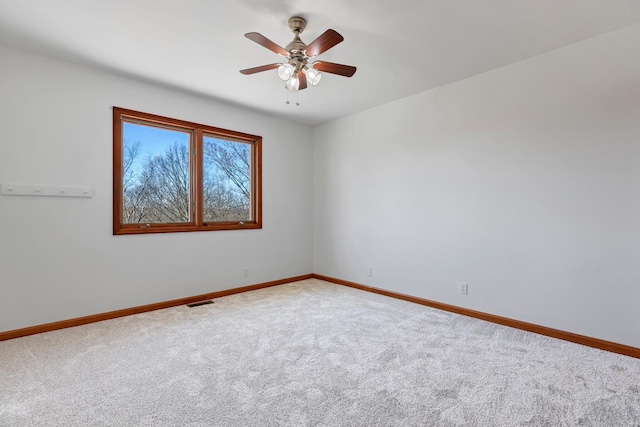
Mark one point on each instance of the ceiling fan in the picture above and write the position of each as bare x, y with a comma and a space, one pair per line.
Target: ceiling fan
297, 70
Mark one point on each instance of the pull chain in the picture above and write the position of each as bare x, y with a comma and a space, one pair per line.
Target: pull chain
297, 99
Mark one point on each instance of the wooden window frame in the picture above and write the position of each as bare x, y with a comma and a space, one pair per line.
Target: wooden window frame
121, 115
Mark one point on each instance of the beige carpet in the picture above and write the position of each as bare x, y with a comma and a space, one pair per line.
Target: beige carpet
310, 354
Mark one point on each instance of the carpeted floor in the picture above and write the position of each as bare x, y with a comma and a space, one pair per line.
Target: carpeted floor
310, 353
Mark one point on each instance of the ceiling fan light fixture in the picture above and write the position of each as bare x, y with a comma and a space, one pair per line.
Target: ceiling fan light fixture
313, 75
285, 71
297, 70
293, 84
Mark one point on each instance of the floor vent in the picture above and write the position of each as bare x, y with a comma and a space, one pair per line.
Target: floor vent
199, 303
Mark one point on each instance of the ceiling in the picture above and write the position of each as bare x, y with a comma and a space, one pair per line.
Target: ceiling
401, 47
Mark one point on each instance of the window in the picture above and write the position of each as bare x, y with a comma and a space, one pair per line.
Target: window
170, 176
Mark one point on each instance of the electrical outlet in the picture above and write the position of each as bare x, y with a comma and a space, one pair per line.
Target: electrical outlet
246, 272
464, 289
369, 271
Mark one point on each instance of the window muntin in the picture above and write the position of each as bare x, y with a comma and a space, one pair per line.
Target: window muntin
171, 175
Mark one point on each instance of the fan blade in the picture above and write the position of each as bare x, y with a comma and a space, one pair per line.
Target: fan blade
339, 69
302, 77
259, 69
263, 41
324, 42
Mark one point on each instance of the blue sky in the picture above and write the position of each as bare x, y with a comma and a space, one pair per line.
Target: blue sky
152, 140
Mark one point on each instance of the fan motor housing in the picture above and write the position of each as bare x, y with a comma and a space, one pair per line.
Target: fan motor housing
296, 49
296, 45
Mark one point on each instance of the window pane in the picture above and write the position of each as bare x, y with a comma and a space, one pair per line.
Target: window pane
227, 180
155, 175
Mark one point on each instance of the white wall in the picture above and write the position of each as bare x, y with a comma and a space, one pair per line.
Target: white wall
523, 182
58, 257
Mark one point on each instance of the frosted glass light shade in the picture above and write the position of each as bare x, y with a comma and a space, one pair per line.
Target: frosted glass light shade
293, 84
285, 71
313, 76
